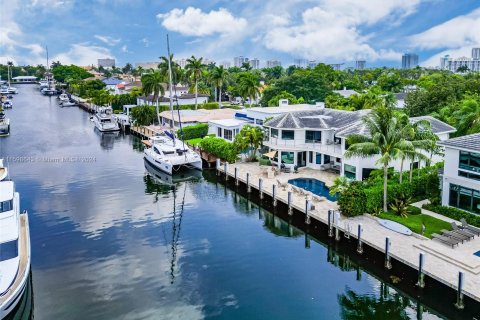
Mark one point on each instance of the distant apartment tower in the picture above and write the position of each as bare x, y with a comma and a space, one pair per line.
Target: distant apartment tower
476, 53
181, 62
238, 61
300, 63
336, 66
106, 63
273, 63
360, 64
409, 61
312, 63
226, 64
207, 61
147, 65
255, 63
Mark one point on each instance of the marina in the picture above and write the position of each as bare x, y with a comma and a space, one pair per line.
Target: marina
196, 249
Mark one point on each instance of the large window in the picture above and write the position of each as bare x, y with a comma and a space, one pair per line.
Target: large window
288, 134
228, 134
288, 157
469, 175
464, 198
6, 205
8, 250
350, 171
313, 136
274, 133
470, 161
318, 158
219, 132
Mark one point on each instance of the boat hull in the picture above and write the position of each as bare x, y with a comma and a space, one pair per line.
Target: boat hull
168, 167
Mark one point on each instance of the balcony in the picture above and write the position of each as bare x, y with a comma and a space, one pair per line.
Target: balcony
333, 149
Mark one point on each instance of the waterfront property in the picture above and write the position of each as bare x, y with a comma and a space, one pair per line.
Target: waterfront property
461, 175
25, 79
226, 128
182, 99
317, 139
190, 117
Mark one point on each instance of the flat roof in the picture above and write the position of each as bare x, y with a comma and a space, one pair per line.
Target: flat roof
228, 122
284, 109
24, 77
200, 115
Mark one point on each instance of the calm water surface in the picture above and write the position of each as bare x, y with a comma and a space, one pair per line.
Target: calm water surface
111, 242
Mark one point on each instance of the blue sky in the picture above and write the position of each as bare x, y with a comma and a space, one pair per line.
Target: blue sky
331, 31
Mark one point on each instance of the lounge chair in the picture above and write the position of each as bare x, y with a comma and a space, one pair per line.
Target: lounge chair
318, 198
468, 227
453, 234
445, 240
457, 229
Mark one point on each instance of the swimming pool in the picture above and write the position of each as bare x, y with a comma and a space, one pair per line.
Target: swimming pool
315, 186
477, 253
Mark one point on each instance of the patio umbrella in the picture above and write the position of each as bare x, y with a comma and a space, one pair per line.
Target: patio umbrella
271, 154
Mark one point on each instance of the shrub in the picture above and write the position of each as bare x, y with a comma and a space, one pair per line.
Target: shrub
219, 148
352, 200
414, 210
264, 162
194, 131
454, 213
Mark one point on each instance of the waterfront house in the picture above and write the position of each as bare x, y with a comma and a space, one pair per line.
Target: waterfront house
461, 174
191, 117
111, 85
184, 99
226, 128
317, 139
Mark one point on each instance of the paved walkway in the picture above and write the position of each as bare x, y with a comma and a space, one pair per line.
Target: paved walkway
441, 262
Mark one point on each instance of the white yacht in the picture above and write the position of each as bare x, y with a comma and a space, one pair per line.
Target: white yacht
4, 128
104, 120
65, 101
14, 247
49, 91
170, 155
7, 104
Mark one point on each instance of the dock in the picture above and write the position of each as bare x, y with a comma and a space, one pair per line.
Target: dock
458, 269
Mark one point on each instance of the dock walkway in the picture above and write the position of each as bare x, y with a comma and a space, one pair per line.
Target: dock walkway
441, 262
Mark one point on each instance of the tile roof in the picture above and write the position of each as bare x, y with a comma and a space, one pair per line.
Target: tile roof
437, 125
111, 81
470, 142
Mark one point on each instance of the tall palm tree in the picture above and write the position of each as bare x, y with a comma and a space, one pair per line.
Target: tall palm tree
195, 69
152, 83
219, 76
468, 116
177, 72
248, 86
384, 140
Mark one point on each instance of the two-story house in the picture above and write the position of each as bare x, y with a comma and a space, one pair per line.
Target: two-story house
317, 139
461, 175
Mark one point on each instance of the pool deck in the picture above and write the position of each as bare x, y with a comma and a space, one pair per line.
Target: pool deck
441, 262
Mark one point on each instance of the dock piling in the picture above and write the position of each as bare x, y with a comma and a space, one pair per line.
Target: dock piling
421, 276
260, 183
248, 183
289, 203
274, 194
388, 263
337, 229
330, 218
225, 169
359, 236
236, 176
218, 167
307, 241
307, 217
460, 305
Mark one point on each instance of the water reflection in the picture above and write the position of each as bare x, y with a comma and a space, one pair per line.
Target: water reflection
107, 139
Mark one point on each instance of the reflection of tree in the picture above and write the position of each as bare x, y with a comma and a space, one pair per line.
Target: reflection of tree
341, 261
386, 306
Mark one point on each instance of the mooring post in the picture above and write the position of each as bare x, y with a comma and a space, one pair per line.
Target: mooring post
359, 239
388, 264
218, 167
460, 304
307, 241
260, 182
225, 168
421, 280
236, 177
307, 217
330, 218
274, 194
248, 182
289, 203
337, 223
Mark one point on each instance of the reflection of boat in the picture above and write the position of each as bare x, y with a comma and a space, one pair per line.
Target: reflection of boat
14, 249
107, 139
104, 120
164, 178
4, 127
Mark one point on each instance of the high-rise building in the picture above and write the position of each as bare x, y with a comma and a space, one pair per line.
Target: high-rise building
181, 62
360, 64
312, 63
106, 63
226, 64
475, 53
273, 63
300, 63
336, 66
255, 63
409, 61
147, 65
238, 61
447, 63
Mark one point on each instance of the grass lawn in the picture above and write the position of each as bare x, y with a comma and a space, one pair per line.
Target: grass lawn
414, 223
194, 142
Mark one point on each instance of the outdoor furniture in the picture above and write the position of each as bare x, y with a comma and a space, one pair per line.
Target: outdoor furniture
282, 185
454, 235
445, 240
461, 231
318, 198
468, 227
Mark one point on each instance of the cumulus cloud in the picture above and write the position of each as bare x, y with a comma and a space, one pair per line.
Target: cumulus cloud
108, 40
125, 49
331, 30
195, 22
83, 54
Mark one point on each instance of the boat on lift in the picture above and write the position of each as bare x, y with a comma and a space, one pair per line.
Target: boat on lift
14, 246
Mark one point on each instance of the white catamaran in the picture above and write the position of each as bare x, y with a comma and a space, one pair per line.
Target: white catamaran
14, 246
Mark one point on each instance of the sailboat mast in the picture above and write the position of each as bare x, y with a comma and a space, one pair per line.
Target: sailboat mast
170, 81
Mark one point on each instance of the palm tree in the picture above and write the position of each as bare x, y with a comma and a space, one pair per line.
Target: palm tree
249, 137
219, 76
248, 86
385, 140
177, 72
152, 83
468, 116
195, 69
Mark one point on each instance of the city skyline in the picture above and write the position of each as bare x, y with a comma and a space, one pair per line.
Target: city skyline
378, 32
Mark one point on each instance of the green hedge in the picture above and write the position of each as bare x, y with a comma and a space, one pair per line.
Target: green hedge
208, 106
219, 148
194, 131
352, 200
454, 213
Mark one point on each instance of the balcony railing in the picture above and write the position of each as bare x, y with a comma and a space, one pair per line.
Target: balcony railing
332, 148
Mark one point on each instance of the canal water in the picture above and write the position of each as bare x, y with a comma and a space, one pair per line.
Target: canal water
109, 241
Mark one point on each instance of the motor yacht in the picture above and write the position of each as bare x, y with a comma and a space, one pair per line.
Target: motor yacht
7, 104
105, 121
4, 127
14, 247
66, 101
170, 155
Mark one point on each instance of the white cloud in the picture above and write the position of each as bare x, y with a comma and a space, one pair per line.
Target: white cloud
145, 42
83, 55
125, 49
108, 40
195, 22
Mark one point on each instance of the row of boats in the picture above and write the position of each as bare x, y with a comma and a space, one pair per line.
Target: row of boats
6, 96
